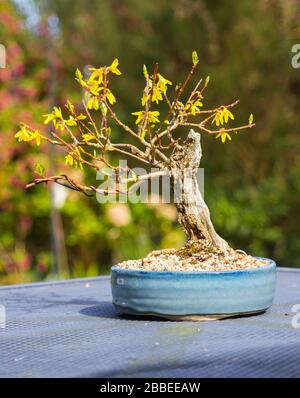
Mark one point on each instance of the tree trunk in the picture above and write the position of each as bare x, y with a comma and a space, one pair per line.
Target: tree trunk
193, 213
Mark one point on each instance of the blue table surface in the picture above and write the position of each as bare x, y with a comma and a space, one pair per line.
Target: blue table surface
70, 329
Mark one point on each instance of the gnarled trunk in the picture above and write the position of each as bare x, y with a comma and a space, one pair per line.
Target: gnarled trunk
193, 213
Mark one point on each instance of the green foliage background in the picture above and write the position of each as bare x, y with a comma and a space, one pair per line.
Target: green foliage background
251, 184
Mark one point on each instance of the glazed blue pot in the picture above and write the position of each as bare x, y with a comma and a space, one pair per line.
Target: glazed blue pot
188, 294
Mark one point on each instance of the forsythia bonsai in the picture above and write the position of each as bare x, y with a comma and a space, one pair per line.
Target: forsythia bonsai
88, 143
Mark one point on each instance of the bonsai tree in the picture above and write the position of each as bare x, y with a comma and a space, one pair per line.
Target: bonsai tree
88, 140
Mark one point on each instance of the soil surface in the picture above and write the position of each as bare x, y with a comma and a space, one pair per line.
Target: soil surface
176, 260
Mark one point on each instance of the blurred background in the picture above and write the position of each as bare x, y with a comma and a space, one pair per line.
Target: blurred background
252, 184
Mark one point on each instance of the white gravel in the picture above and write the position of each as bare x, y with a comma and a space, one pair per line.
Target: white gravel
170, 261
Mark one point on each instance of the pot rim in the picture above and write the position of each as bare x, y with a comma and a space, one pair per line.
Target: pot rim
271, 264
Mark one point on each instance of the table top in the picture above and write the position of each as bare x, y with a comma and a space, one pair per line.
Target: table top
71, 329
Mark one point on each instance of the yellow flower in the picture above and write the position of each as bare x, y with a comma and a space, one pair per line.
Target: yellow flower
70, 106
87, 137
26, 135
222, 115
218, 118
114, 67
78, 75
80, 117
97, 73
193, 107
79, 79
71, 121
37, 137
224, 135
156, 94
227, 114
251, 119
163, 83
93, 103
49, 117
152, 116
139, 115
109, 95
145, 98
55, 115
59, 126
23, 134
95, 89
69, 160
180, 106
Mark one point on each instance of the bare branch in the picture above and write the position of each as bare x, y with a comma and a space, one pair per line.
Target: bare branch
126, 128
222, 130
67, 182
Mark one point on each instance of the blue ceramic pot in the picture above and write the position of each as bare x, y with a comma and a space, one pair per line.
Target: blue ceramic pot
187, 294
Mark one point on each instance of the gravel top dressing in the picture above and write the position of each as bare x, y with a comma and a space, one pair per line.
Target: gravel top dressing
173, 260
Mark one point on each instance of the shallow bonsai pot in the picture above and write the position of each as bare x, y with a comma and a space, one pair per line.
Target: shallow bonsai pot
193, 295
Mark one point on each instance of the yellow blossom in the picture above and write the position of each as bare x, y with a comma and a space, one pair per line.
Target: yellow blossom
97, 74
78, 75
227, 114
70, 106
93, 103
71, 121
163, 83
79, 79
156, 91
151, 115
224, 135
140, 115
56, 117
222, 116
23, 134
114, 67
95, 89
156, 94
145, 98
193, 106
80, 117
69, 160
26, 135
37, 137
109, 95
87, 137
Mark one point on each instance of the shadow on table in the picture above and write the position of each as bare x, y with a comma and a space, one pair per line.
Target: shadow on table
105, 309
